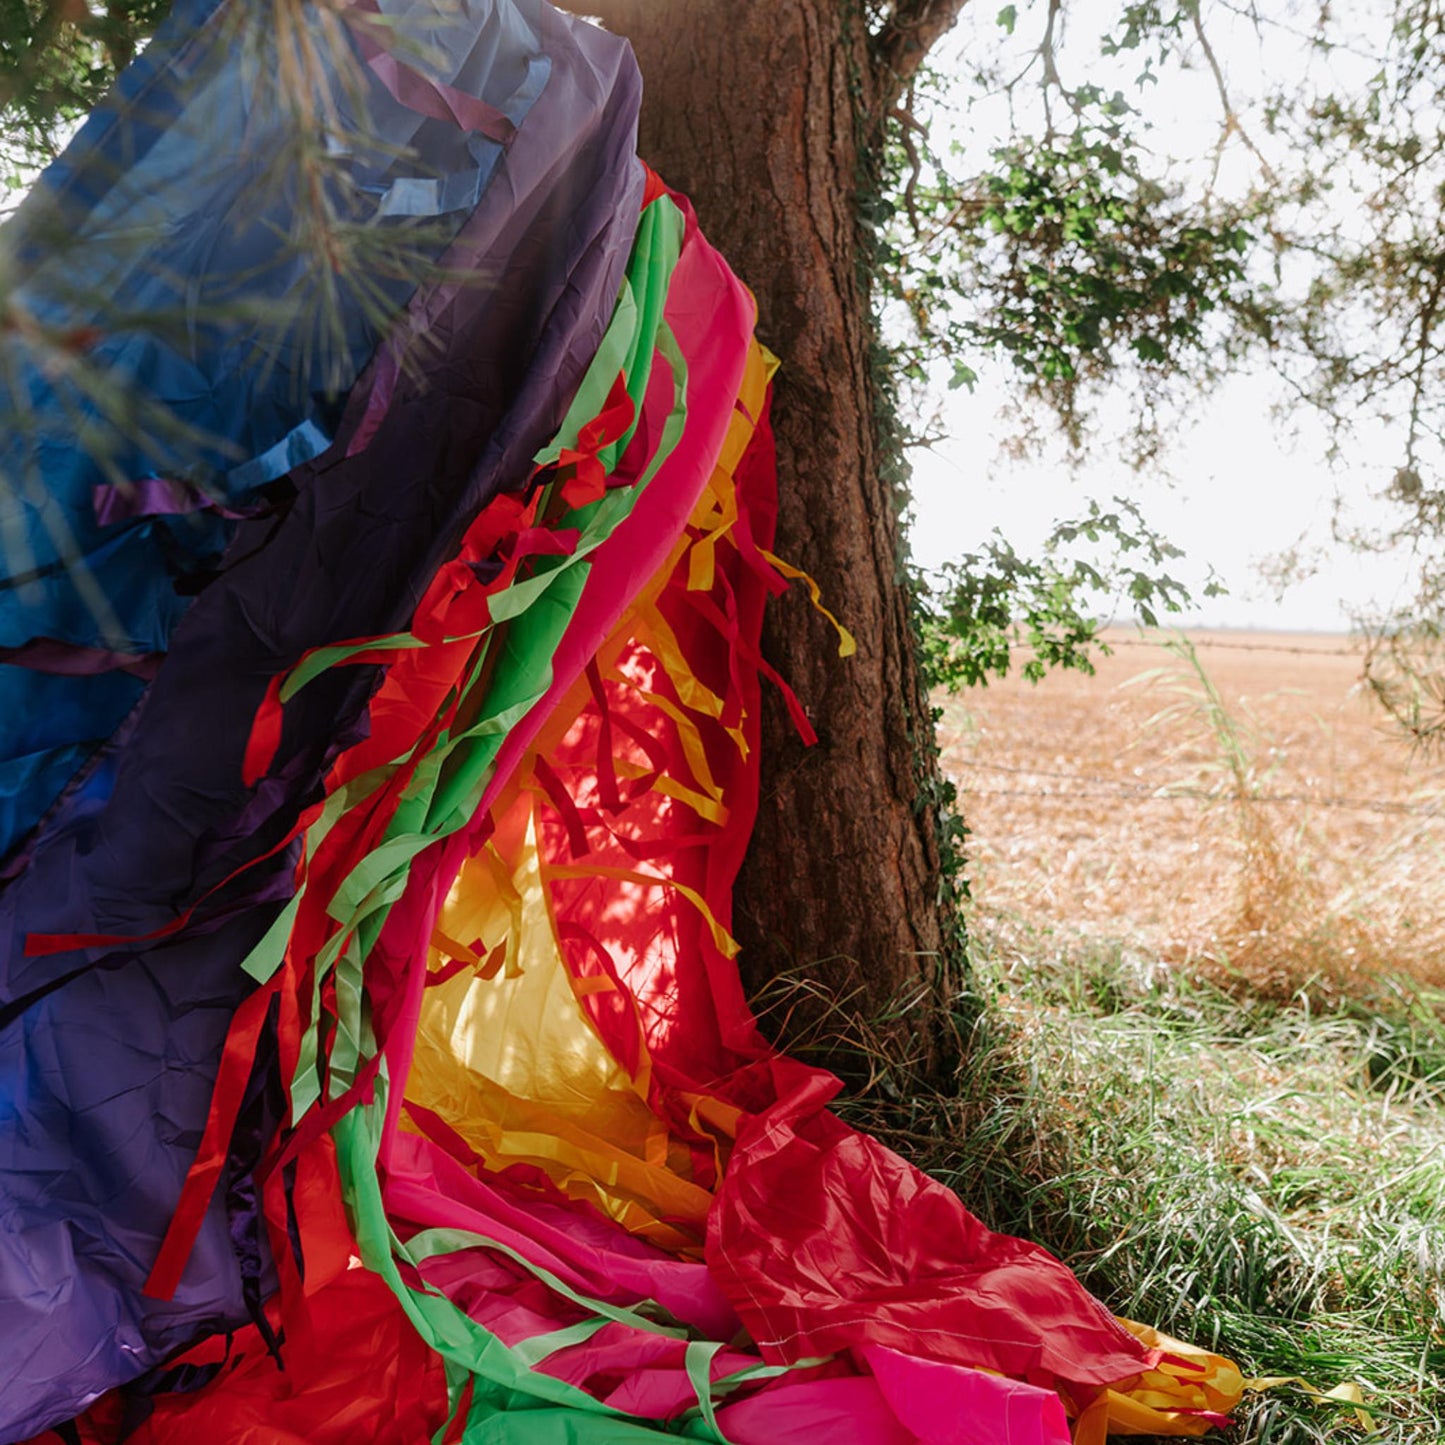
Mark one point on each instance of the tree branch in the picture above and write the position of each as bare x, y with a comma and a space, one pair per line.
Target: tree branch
1232, 123
912, 29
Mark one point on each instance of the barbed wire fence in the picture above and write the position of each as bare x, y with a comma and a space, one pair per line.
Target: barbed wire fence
1231, 645
1095, 787
1427, 803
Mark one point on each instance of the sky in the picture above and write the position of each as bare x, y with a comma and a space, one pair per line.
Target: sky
1239, 496
1237, 491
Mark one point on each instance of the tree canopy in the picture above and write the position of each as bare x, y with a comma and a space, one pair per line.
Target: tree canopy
1086, 252
1105, 248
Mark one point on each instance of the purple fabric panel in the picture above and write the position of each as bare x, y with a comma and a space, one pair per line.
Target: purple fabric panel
69, 659
103, 1095
155, 497
351, 557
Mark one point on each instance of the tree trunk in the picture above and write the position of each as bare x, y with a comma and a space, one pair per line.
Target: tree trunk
764, 112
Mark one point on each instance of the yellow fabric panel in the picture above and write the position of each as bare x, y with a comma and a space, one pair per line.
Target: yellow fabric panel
1194, 1379
511, 1063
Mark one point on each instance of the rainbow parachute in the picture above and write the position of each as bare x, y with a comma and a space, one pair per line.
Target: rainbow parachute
377, 750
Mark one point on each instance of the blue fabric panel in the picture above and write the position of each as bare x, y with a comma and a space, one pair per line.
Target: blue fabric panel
200, 335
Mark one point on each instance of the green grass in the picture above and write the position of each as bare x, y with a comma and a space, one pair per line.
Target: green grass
1263, 1177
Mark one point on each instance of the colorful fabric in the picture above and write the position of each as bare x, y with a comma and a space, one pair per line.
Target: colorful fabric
375, 1063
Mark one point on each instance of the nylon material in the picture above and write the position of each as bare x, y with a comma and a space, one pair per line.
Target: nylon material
114, 1215
451, 1333
556, 1097
709, 810
375, 881
849, 1411
536, 1349
604, 368
700, 1358
946, 1406
1010, 1307
155, 497
547, 1056
658, 248
665, 1008
673, 425
115, 575
487, 1425
381, 878
694, 750
347, 1041
651, 1364
627, 346
431, 1243
752, 395
1089, 1317
400, 1398
303, 442
380, 649
717, 355
46, 770
642, 1374
589, 1077
726, 943
714, 518
576, 1243
691, 691
1187, 1380
265, 958
846, 645
498, 66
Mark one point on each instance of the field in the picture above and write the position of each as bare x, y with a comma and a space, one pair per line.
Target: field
1205, 1056
1256, 813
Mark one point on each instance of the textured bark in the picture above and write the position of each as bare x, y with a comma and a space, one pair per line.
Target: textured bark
757, 110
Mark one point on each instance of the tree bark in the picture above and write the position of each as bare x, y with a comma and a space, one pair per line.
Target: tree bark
763, 111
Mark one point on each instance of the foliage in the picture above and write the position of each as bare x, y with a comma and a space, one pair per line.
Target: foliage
1405, 671
57, 58
978, 609
1075, 253
1068, 263
1090, 255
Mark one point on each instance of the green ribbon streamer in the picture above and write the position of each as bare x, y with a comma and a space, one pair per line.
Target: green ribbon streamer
513, 1402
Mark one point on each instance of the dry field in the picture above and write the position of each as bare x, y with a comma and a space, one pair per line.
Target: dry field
1289, 836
